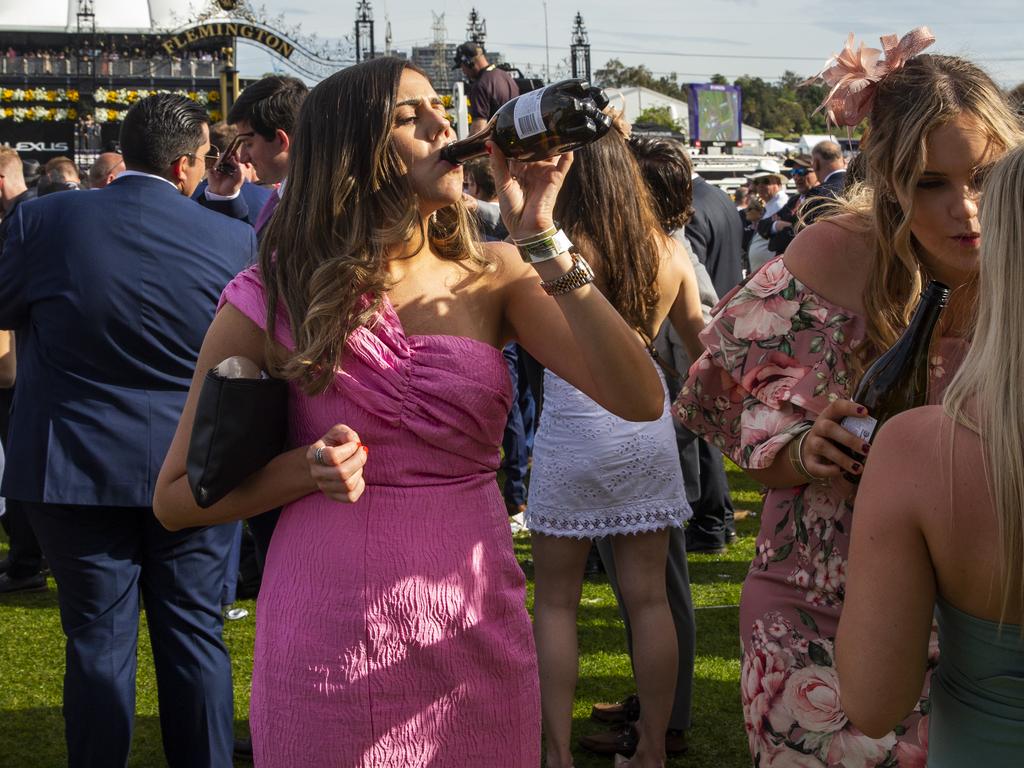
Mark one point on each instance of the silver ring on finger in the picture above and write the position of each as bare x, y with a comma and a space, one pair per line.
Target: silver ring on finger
318, 456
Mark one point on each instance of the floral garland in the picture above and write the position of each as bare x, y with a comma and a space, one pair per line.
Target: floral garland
107, 115
103, 97
131, 95
39, 94
38, 114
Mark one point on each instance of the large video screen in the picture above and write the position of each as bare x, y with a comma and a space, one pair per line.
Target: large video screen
716, 116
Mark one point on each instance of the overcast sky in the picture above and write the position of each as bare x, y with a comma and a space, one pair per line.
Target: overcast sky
694, 40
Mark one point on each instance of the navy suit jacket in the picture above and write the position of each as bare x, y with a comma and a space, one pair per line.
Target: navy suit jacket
245, 207
110, 293
716, 235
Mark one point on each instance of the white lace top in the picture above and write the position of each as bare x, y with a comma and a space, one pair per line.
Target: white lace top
595, 474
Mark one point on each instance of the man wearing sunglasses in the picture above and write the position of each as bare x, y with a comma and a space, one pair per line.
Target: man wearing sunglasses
110, 294
781, 228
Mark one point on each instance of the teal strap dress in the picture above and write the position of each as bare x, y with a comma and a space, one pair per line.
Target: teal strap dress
977, 700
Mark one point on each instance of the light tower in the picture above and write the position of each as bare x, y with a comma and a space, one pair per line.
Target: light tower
580, 49
364, 31
476, 28
441, 77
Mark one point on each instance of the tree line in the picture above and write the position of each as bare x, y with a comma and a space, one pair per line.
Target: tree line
783, 108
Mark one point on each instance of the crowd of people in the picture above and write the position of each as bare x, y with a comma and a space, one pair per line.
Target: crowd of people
110, 59
425, 315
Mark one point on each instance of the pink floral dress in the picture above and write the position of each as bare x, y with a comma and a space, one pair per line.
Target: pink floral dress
777, 354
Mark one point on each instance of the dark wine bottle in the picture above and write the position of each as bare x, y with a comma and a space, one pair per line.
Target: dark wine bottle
898, 380
539, 124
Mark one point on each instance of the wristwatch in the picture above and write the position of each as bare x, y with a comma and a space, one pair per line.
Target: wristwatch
579, 275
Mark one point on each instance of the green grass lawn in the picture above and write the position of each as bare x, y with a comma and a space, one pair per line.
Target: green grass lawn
32, 663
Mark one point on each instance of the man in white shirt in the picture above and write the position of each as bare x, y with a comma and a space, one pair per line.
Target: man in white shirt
770, 186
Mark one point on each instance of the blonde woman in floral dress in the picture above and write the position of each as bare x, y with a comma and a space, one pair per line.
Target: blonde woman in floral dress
783, 356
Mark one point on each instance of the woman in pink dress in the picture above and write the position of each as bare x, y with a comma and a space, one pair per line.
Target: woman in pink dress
391, 623
784, 353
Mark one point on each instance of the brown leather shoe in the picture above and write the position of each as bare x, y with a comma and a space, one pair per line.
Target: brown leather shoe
623, 741
625, 711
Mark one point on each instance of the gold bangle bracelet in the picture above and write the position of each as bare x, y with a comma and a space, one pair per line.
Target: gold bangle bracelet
796, 459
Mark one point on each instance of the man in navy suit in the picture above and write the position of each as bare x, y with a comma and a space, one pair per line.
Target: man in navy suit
110, 294
830, 168
716, 235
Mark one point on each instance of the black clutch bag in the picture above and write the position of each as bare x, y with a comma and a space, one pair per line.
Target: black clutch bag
240, 425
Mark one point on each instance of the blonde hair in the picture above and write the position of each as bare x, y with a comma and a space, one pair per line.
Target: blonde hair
910, 103
985, 394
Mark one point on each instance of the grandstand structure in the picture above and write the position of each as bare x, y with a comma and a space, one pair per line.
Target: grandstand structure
70, 69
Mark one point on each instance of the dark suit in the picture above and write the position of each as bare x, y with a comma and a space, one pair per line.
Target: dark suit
110, 293
245, 207
832, 188
716, 235
25, 558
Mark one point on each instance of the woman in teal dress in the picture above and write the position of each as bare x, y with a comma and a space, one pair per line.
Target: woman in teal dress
940, 527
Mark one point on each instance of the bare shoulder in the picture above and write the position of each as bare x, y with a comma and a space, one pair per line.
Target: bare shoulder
832, 257
508, 264
913, 429
674, 261
908, 454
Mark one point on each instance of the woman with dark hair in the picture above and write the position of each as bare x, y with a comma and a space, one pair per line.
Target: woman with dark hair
392, 628
596, 474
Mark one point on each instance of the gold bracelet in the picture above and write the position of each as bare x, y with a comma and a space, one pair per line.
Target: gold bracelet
579, 275
796, 446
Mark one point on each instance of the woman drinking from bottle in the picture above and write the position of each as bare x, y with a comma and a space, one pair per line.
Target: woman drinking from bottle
391, 625
784, 355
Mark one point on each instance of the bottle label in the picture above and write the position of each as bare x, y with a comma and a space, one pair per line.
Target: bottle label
527, 115
862, 426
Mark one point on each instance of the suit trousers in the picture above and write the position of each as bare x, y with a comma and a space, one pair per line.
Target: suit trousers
713, 512
680, 601
104, 560
517, 440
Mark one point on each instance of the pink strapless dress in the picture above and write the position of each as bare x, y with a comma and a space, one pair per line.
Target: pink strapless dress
393, 631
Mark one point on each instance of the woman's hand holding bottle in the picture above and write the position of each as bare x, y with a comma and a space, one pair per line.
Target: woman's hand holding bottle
527, 191
819, 449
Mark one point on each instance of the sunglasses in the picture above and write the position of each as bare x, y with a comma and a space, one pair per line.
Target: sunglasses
210, 159
799, 172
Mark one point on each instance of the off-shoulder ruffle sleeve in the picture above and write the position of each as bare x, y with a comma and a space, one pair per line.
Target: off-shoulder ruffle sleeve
776, 355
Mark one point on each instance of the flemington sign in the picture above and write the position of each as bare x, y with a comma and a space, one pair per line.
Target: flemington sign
254, 32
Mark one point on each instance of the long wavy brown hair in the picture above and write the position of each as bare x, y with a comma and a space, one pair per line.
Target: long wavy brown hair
605, 208
928, 92
347, 204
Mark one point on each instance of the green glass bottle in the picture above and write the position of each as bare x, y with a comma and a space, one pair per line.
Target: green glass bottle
539, 124
898, 380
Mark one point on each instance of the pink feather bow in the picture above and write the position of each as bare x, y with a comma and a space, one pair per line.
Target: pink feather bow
854, 74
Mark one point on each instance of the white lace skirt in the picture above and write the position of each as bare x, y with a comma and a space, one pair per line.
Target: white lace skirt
595, 474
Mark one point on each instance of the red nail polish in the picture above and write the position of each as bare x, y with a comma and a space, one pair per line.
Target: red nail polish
865, 448
366, 449
856, 467
861, 409
488, 148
